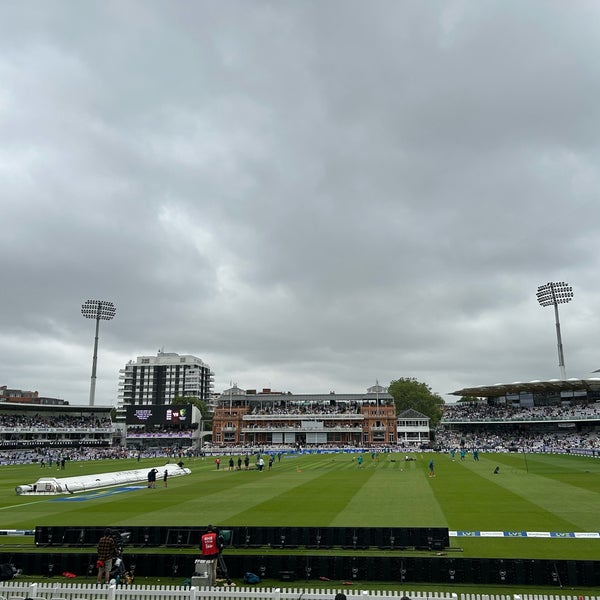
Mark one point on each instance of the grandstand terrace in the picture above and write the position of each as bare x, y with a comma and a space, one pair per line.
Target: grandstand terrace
544, 416
25, 425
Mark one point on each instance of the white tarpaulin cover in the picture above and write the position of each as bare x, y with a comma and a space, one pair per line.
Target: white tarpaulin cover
82, 483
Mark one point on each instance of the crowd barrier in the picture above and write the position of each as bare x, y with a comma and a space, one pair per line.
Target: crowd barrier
310, 565
358, 538
301, 553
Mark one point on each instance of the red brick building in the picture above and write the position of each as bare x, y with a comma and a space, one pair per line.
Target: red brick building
274, 418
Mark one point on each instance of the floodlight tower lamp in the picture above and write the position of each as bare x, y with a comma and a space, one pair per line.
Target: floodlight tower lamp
553, 294
98, 310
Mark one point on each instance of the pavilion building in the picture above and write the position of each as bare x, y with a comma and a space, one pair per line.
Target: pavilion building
247, 418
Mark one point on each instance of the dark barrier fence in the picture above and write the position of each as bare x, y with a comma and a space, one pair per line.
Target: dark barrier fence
310, 566
306, 564
357, 538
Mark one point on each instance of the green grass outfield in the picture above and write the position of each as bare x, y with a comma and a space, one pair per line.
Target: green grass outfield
530, 493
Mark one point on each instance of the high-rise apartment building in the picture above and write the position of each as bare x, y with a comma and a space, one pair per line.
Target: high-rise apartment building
161, 378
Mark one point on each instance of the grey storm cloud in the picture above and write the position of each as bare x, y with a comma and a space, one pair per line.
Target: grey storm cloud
308, 196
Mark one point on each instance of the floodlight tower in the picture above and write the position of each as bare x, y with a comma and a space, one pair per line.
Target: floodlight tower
553, 294
97, 309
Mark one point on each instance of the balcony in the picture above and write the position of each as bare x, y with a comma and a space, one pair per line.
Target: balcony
292, 416
293, 429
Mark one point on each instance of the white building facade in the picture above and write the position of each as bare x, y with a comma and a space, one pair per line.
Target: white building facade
413, 428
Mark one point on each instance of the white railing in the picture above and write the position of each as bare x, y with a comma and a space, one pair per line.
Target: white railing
20, 590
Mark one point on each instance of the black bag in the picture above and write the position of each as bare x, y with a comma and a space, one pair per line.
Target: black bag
6, 572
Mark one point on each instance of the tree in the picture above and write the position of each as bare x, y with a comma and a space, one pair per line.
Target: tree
407, 393
198, 403
193, 400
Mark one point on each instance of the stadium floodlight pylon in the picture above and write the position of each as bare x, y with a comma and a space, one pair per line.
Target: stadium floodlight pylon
553, 294
99, 310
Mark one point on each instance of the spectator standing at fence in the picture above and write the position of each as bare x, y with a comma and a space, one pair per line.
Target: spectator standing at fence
107, 549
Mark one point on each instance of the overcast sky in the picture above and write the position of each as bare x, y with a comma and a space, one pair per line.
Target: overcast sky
309, 196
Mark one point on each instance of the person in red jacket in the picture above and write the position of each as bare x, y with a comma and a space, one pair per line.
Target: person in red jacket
211, 545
